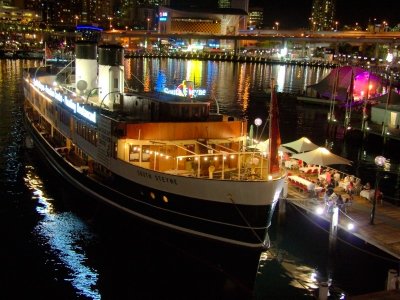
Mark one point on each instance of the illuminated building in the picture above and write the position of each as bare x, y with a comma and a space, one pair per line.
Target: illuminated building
322, 15
13, 18
224, 3
256, 17
219, 21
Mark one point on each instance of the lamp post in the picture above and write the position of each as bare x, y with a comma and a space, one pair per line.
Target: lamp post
277, 26
148, 24
258, 123
380, 162
110, 20
336, 25
385, 26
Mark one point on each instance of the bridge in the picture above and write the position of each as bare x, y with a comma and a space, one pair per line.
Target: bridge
300, 36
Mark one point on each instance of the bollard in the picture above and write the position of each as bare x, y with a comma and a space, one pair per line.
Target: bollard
323, 291
391, 280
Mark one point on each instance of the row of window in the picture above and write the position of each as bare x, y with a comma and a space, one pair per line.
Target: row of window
87, 132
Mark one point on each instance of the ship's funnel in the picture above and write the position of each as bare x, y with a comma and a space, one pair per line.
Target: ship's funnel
111, 75
86, 66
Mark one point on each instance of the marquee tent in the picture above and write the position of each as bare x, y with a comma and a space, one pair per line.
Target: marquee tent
301, 145
365, 83
263, 146
321, 157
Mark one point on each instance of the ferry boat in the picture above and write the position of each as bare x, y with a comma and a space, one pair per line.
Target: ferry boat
164, 159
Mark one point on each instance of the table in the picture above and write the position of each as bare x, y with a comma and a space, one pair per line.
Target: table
290, 164
368, 194
309, 169
310, 185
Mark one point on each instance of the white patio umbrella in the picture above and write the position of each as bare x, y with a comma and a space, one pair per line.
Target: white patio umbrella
263, 146
301, 145
321, 157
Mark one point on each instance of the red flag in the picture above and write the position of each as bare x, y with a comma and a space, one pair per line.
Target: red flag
47, 52
274, 132
350, 90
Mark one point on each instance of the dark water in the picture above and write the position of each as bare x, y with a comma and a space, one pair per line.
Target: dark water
57, 244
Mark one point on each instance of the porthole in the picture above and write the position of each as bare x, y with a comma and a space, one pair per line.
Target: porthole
165, 199
152, 195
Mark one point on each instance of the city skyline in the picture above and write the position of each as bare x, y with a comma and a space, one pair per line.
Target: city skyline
294, 14
347, 12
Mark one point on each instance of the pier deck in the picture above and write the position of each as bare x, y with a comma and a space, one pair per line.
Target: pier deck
384, 234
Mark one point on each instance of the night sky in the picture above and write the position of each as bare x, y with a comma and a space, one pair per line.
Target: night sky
295, 13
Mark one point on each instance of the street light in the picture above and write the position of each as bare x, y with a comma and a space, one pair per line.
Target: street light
258, 123
385, 24
336, 25
110, 19
277, 26
148, 24
380, 162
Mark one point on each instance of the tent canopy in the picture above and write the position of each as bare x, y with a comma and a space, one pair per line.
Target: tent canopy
263, 146
301, 145
365, 83
322, 157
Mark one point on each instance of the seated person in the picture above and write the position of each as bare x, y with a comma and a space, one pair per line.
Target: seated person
367, 186
336, 177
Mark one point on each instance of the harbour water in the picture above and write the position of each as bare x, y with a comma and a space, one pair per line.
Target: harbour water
59, 245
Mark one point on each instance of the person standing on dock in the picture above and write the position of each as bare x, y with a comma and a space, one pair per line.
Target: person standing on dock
328, 177
336, 178
350, 189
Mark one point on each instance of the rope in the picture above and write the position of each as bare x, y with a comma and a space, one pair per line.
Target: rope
245, 220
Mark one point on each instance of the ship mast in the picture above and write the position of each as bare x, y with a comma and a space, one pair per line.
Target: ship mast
274, 133
349, 101
331, 115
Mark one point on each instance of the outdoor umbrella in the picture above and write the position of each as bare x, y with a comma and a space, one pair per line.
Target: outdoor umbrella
322, 157
301, 145
263, 146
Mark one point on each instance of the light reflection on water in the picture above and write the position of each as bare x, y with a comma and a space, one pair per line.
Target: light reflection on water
302, 276
232, 84
64, 233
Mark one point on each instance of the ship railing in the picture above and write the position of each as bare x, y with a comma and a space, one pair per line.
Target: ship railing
219, 165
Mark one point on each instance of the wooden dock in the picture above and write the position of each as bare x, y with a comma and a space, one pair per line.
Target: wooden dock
384, 234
